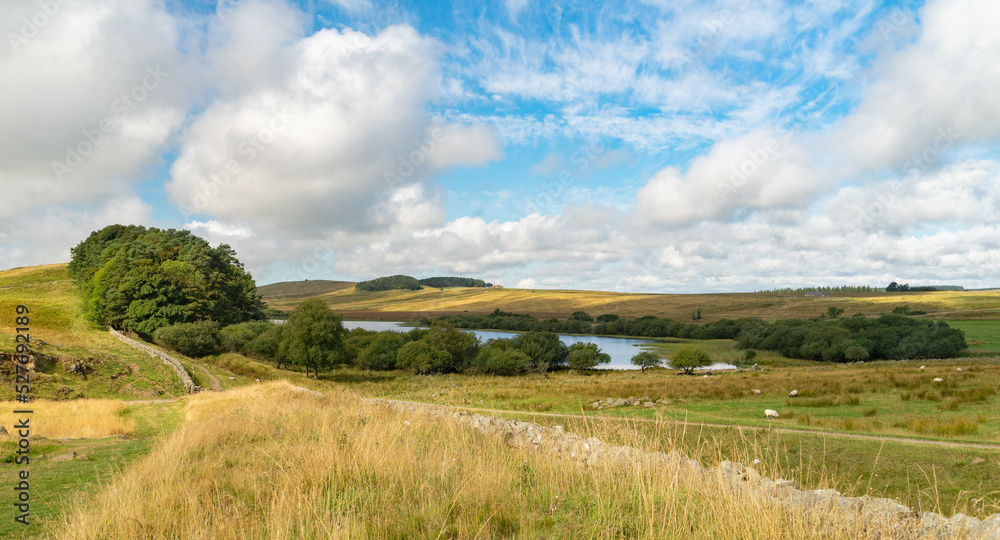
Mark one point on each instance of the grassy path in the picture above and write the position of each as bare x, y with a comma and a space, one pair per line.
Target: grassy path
831, 434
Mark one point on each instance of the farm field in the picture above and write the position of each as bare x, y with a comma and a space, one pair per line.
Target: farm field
980, 335
542, 303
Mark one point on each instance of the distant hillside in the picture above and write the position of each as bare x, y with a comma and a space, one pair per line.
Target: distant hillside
308, 288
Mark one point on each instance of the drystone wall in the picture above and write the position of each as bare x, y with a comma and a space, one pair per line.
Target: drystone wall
859, 513
189, 385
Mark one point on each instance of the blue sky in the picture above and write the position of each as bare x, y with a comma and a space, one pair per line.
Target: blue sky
660, 146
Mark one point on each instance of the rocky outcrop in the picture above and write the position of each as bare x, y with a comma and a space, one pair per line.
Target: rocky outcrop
628, 402
189, 385
866, 513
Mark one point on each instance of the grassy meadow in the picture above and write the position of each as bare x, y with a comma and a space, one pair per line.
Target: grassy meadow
60, 333
271, 461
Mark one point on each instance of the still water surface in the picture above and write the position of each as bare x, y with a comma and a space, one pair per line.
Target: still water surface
620, 349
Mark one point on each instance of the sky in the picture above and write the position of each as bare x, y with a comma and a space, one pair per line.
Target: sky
653, 146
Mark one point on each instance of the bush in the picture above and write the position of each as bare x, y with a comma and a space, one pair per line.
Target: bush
381, 352
585, 356
267, 345
689, 359
495, 358
581, 316
461, 347
421, 357
545, 349
195, 339
647, 359
235, 337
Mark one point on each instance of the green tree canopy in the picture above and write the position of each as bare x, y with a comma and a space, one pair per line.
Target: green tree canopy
689, 359
144, 279
646, 360
586, 356
313, 337
388, 283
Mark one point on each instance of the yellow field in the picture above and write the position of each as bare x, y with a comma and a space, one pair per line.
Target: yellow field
77, 419
271, 461
410, 305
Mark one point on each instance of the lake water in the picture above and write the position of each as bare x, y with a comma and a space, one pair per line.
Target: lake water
621, 349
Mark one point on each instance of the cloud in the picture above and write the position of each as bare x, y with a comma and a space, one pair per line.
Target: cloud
324, 142
51, 232
91, 98
218, 229
760, 171
929, 94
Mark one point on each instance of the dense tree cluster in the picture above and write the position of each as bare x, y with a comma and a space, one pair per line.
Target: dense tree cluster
388, 283
313, 338
892, 336
143, 279
440, 282
905, 287
827, 289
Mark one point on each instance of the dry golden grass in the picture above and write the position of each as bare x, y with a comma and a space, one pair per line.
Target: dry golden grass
271, 461
78, 419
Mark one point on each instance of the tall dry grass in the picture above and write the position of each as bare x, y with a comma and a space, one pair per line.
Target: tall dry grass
270, 461
83, 418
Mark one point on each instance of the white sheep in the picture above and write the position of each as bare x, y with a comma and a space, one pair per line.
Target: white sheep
757, 392
922, 368
938, 379
959, 369
793, 393
768, 413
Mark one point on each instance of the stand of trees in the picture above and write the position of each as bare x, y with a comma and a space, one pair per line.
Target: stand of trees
399, 281
440, 282
388, 283
141, 280
892, 336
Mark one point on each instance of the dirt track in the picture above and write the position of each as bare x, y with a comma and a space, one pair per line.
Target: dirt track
831, 434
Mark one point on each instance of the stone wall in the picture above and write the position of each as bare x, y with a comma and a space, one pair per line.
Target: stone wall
189, 385
859, 513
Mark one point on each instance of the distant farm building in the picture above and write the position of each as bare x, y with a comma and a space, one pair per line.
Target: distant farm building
498, 286
816, 293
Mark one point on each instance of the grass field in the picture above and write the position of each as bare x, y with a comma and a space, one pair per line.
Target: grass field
269, 461
981, 335
412, 305
111, 369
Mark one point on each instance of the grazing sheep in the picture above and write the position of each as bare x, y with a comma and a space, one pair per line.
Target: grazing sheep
768, 413
793, 393
959, 369
938, 379
756, 392
922, 368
